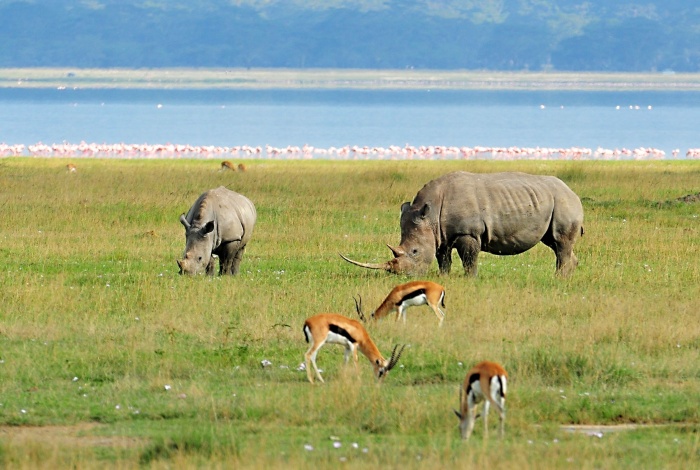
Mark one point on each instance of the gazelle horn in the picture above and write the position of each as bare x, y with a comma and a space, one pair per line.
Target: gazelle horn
395, 357
358, 307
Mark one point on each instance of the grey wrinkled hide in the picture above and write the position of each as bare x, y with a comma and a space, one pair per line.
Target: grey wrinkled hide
219, 223
499, 213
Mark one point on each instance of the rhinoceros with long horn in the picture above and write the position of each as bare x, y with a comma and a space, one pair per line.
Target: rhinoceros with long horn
498, 213
219, 224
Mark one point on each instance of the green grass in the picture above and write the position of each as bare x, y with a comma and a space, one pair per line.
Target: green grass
95, 323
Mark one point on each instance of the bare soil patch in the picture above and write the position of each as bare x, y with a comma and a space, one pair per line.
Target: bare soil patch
690, 198
79, 435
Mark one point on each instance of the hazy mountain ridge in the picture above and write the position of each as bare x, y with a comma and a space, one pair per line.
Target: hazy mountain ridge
476, 34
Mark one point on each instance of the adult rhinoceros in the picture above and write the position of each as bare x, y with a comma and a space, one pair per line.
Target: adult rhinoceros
219, 223
499, 213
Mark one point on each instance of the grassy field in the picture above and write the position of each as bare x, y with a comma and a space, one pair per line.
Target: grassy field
68, 78
109, 358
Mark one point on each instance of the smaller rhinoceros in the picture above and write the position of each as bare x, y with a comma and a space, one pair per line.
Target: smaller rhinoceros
219, 224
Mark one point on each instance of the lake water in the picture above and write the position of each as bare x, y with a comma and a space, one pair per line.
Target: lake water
337, 118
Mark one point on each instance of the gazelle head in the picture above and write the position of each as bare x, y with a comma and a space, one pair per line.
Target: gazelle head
382, 369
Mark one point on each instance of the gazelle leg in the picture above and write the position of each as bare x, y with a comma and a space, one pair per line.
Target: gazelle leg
310, 359
471, 417
486, 418
500, 405
502, 421
438, 313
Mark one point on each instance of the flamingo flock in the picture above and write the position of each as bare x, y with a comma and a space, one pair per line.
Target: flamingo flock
354, 152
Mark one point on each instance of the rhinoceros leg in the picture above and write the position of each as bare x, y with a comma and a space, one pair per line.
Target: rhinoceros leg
563, 246
566, 259
211, 265
231, 256
444, 258
236, 264
468, 249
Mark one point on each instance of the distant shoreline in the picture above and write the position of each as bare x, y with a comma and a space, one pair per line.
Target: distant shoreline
242, 79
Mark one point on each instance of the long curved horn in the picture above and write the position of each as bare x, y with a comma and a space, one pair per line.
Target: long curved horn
385, 266
395, 357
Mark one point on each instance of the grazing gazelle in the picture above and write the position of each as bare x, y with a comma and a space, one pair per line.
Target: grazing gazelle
409, 295
336, 329
487, 382
242, 167
71, 168
227, 165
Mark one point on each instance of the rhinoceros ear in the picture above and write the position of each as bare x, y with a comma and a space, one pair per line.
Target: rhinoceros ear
405, 206
208, 228
184, 221
425, 210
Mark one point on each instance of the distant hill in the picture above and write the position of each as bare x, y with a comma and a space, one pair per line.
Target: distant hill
564, 35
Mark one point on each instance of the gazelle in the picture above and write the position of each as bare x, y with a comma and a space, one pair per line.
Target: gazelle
227, 165
332, 328
71, 168
409, 295
487, 382
242, 167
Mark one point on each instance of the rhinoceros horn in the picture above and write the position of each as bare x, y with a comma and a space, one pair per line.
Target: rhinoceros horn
397, 251
385, 266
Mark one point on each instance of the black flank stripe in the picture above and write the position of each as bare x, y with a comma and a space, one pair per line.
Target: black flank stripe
342, 332
412, 295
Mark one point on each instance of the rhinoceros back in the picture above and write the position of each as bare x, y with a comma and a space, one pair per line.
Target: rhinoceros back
233, 213
508, 212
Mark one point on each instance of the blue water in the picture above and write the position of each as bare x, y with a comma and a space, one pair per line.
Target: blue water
322, 118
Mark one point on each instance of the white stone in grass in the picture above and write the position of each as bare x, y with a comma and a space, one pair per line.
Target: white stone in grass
337, 445
167, 387
265, 363
308, 447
